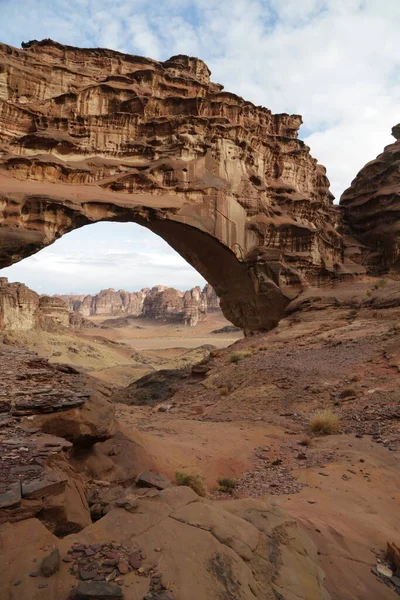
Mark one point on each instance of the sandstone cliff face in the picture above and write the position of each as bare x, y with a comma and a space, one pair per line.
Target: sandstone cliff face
159, 303
18, 306
22, 309
371, 208
92, 134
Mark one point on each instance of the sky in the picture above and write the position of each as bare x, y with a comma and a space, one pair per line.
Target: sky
335, 62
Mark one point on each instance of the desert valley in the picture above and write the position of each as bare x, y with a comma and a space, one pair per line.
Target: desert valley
235, 441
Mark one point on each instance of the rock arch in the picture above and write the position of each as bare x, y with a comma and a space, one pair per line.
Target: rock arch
91, 135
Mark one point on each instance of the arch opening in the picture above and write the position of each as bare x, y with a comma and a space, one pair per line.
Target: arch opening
246, 299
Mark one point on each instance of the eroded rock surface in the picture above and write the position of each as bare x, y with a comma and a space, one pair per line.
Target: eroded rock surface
90, 135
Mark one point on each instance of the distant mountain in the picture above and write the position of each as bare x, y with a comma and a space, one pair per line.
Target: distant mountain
160, 303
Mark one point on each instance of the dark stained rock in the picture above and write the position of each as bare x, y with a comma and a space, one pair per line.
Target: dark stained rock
12, 497
48, 485
87, 575
97, 590
151, 479
227, 329
152, 388
51, 563
135, 560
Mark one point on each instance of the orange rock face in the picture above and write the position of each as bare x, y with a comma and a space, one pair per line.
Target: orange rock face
371, 208
89, 135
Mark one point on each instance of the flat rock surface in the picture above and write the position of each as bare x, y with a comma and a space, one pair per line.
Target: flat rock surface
249, 551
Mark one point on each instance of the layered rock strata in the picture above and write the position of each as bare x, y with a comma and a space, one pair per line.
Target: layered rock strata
91, 134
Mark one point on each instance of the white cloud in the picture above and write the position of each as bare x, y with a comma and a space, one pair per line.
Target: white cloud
336, 62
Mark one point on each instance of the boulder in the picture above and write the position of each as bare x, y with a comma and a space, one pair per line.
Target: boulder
97, 590
151, 479
51, 563
83, 426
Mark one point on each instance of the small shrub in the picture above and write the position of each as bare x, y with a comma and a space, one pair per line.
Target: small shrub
209, 385
224, 391
236, 356
227, 483
262, 348
325, 423
196, 482
350, 391
306, 441
380, 284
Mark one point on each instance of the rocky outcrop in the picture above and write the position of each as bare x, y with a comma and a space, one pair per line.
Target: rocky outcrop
167, 304
18, 306
46, 411
22, 309
54, 309
93, 134
371, 210
160, 303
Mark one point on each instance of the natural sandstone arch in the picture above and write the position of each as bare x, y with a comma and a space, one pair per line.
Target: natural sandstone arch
89, 135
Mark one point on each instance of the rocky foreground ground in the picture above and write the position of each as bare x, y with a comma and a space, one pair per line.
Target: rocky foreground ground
309, 516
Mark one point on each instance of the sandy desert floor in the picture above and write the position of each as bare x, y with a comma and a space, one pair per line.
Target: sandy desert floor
120, 355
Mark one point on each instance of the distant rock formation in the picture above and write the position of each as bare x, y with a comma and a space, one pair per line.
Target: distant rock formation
22, 309
160, 303
107, 303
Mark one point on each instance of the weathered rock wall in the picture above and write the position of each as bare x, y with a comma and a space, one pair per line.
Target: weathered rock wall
92, 134
22, 309
371, 209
